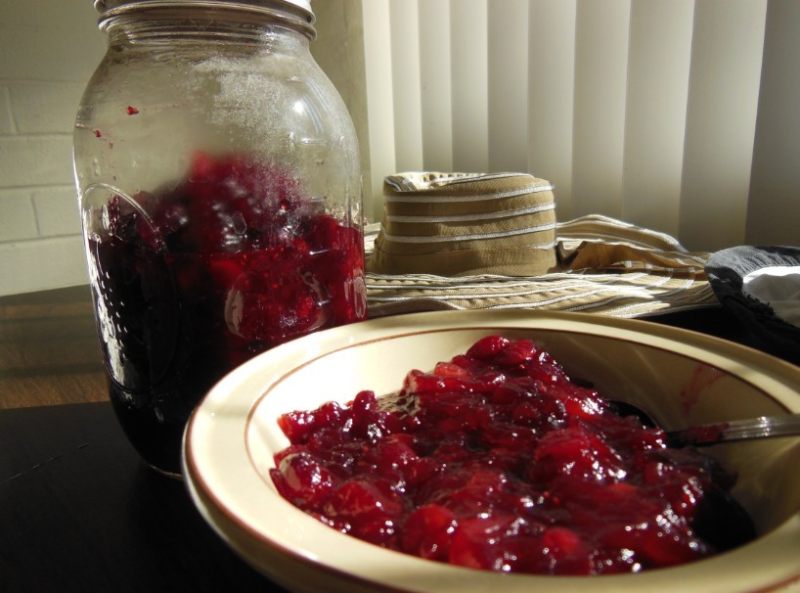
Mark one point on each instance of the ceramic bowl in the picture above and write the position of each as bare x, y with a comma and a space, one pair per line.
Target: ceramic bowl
679, 377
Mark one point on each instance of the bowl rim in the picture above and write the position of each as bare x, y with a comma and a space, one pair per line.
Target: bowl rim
231, 526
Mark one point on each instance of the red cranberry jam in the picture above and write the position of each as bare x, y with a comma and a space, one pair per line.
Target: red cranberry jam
200, 276
497, 460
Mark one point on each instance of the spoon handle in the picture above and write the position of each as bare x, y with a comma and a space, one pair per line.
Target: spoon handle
736, 430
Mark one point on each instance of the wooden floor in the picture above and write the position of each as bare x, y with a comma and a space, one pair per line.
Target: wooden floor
49, 353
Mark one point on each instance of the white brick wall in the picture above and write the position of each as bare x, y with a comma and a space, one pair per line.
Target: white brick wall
56, 211
17, 217
48, 51
6, 121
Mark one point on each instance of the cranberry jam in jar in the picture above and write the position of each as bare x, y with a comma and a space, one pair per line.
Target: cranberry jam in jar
219, 185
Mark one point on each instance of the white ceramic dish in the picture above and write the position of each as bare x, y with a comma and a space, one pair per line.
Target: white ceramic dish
679, 377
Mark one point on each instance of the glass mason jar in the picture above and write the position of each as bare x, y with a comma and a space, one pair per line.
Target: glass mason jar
220, 192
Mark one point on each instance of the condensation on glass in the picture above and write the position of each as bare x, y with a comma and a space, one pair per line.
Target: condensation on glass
218, 177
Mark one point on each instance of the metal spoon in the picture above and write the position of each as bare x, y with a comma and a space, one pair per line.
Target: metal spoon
735, 430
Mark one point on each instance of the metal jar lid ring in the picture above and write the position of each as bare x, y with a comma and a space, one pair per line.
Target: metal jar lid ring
304, 6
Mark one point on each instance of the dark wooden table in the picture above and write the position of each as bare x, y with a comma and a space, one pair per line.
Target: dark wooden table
78, 510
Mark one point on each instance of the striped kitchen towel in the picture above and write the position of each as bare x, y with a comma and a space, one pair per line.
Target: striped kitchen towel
451, 224
604, 265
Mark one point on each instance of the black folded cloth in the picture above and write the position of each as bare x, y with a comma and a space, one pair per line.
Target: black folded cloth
726, 270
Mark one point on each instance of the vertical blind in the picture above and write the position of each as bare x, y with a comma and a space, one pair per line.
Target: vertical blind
679, 115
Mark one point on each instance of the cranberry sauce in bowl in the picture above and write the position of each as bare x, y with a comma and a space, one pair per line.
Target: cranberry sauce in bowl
497, 460
192, 280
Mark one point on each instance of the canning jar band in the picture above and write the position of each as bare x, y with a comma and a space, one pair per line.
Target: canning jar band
283, 11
